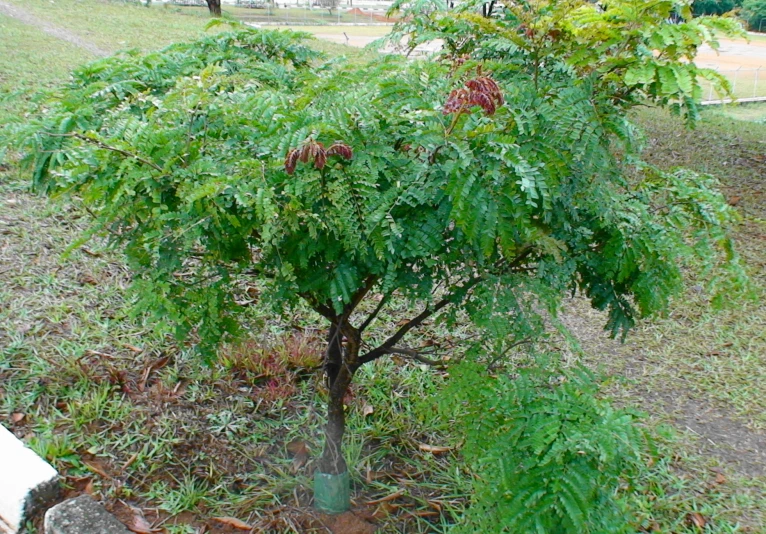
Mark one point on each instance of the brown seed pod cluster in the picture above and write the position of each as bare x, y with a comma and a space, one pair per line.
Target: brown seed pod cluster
481, 91
315, 151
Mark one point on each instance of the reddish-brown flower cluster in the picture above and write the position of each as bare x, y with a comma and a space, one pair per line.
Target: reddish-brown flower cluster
316, 152
481, 91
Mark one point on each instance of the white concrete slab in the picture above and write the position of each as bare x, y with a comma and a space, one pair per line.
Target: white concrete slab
27, 482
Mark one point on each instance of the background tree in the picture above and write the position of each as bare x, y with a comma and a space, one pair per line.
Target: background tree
490, 181
214, 6
754, 12
714, 7
329, 4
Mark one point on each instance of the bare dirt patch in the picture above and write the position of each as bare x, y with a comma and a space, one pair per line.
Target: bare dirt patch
349, 523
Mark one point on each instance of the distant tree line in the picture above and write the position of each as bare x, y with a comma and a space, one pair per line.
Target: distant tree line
715, 7
752, 11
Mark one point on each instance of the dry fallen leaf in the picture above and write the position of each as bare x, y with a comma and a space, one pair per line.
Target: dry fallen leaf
139, 524
425, 513
367, 410
233, 522
433, 449
297, 446
697, 519
129, 462
720, 479
96, 468
86, 279
17, 417
154, 366
90, 252
300, 452
160, 363
387, 498
139, 529
375, 475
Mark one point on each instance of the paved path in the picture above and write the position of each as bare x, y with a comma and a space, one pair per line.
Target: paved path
734, 54
51, 29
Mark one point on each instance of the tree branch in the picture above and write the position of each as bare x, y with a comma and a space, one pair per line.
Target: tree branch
415, 355
322, 309
500, 356
386, 346
103, 145
374, 314
359, 296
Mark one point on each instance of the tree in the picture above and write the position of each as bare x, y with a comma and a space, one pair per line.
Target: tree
329, 4
754, 12
214, 6
489, 181
714, 7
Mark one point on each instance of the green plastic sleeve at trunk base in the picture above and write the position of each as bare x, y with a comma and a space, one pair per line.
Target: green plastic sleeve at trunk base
332, 493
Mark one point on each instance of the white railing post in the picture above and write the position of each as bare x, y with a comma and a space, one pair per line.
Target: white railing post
734, 83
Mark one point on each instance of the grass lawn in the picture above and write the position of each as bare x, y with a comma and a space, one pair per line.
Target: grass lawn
29, 60
130, 417
117, 26
755, 112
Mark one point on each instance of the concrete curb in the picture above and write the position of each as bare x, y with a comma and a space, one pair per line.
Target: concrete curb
737, 101
27, 483
82, 515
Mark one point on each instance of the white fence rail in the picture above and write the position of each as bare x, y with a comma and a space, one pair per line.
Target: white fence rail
745, 83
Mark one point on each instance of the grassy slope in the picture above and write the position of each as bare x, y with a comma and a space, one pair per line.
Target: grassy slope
66, 347
699, 370
117, 26
24, 66
719, 354
745, 112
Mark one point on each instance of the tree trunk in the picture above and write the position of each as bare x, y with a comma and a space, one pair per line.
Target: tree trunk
340, 364
332, 461
215, 7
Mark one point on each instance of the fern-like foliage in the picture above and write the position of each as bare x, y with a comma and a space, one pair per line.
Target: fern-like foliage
493, 179
238, 156
549, 456
634, 50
